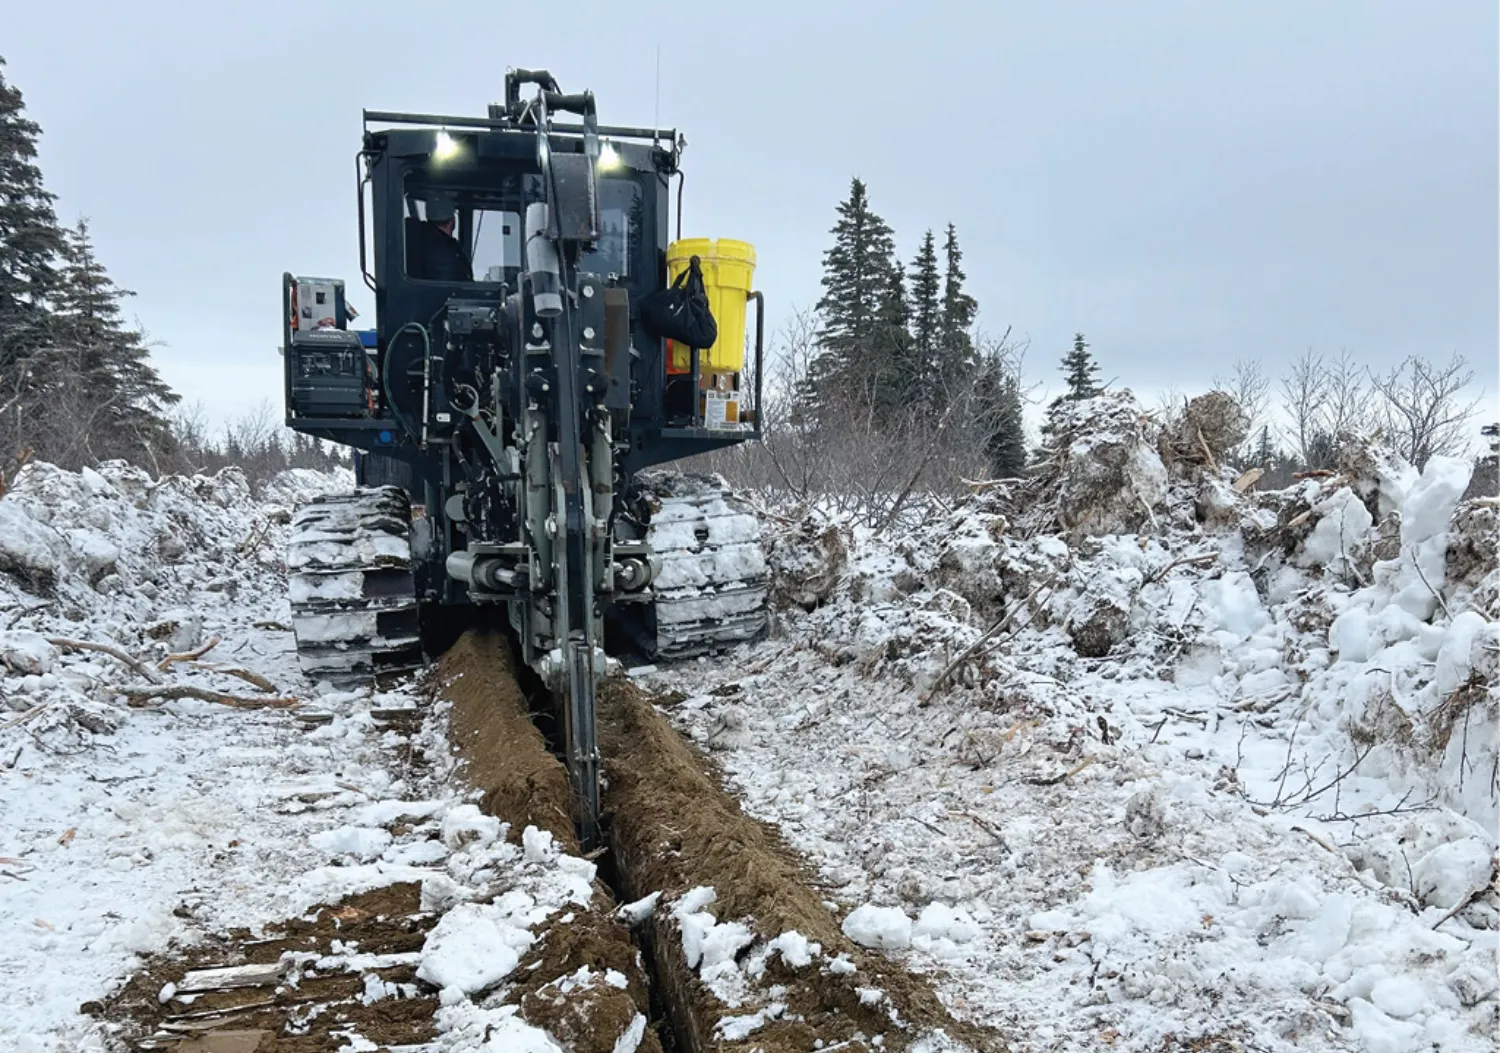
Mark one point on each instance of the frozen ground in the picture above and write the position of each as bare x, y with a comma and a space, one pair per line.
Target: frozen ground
130, 830
1222, 776
1227, 774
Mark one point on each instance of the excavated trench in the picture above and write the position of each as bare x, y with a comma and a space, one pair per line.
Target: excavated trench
672, 828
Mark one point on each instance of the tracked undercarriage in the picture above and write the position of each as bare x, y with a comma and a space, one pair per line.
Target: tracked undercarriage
353, 597
356, 614
711, 585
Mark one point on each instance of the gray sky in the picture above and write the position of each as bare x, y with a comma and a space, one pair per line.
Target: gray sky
1185, 182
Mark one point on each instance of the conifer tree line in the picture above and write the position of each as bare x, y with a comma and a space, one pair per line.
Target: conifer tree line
77, 385
896, 341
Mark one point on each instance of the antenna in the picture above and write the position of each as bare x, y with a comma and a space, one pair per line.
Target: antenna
656, 112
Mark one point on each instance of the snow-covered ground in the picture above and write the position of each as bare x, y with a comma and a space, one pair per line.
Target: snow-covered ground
125, 831
1218, 772
1226, 769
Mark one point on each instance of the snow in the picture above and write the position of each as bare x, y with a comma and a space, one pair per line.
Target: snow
638, 911
883, 927
130, 831
475, 946
1251, 812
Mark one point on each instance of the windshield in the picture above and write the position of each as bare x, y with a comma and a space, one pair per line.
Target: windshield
489, 229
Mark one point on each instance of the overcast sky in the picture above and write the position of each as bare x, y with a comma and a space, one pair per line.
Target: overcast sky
1185, 182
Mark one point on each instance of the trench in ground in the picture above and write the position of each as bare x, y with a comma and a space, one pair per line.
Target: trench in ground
670, 826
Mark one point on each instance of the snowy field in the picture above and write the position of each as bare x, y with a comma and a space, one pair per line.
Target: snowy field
1223, 776
1199, 769
125, 830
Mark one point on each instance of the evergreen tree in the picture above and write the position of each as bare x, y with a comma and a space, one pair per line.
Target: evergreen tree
926, 317
956, 356
858, 305
1265, 452
998, 392
30, 242
110, 362
896, 368
1080, 371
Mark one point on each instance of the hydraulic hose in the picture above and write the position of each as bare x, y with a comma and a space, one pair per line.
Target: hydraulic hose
385, 374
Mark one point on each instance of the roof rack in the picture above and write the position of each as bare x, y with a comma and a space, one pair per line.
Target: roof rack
506, 124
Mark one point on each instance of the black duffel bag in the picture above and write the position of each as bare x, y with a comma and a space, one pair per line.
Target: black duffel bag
680, 313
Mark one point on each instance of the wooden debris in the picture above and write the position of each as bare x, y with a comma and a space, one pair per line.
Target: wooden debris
228, 977
139, 667
1053, 780
24, 717
1248, 480
188, 656
240, 672
403, 713
139, 695
222, 1011
277, 627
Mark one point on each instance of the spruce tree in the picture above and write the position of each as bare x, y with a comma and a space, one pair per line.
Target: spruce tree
1265, 451
857, 305
111, 364
896, 368
30, 241
956, 356
999, 396
926, 316
1080, 371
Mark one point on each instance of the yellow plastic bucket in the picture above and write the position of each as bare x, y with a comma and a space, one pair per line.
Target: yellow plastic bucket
728, 270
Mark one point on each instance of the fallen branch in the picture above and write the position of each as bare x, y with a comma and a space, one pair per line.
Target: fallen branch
239, 671
1005, 620
188, 656
1212, 464
1053, 780
24, 717
114, 652
1184, 561
1474, 894
138, 695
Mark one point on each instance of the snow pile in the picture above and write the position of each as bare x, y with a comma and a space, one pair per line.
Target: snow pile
732, 961
130, 830
1103, 472
1224, 776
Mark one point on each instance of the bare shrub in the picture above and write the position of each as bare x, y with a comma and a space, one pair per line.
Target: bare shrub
853, 457
1421, 409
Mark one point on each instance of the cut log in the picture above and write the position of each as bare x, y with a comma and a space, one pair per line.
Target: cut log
230, 976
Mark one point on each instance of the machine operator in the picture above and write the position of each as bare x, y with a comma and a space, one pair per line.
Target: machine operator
443, 259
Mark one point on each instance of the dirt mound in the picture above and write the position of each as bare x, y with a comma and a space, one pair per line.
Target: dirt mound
675, 830
307, 1007
503, 753
1101, 472
506, 757
1207, 428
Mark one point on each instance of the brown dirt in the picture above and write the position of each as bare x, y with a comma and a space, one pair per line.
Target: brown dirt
503, 753
674, 827
504, 756
383, 921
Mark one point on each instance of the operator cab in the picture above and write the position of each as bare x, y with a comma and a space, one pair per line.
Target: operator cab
489, 230
486, 173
